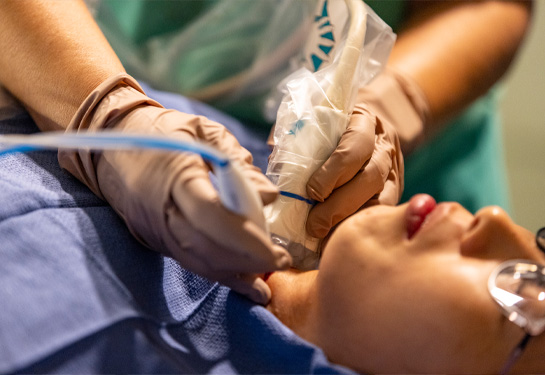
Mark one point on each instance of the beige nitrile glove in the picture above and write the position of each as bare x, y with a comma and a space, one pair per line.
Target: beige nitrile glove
367, 168
166, 198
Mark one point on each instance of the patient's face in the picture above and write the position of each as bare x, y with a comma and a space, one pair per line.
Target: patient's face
404, 289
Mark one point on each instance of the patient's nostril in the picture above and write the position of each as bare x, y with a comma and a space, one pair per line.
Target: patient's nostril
474, 223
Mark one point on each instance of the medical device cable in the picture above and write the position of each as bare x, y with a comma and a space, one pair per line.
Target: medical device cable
234, 190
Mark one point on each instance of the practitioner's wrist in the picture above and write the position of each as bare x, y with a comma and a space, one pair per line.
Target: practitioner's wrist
395, 98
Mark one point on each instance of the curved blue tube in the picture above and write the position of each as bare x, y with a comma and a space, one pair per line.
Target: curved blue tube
235, 191
107, 140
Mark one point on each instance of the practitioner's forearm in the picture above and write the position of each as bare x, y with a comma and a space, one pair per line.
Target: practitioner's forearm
456, 50
53, 55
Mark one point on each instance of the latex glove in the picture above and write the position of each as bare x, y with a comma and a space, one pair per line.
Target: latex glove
166, 198
367, 166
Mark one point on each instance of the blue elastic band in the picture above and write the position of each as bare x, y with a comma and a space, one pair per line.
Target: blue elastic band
298, 197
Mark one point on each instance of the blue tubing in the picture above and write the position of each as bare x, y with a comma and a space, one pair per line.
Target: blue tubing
107, 140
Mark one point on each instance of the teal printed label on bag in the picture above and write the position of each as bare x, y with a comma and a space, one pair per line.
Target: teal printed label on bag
329, 21
324, 40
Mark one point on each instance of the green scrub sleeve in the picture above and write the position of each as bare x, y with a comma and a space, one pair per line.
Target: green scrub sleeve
391, 11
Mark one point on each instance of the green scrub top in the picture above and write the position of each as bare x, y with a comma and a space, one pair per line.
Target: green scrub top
464, 163
187, 46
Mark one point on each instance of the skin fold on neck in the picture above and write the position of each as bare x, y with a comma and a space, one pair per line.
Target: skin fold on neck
293, 300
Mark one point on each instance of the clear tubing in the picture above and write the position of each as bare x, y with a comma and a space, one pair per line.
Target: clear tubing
235, 192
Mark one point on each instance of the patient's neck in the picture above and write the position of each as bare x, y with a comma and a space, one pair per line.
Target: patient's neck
293, 300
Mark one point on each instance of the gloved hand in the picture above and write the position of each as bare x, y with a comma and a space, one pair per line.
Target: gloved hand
367, 168
166, 198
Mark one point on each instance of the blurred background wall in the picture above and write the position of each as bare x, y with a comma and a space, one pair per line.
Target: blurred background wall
523, 110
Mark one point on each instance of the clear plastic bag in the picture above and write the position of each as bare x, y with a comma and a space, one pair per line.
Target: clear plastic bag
315, 111
231, 53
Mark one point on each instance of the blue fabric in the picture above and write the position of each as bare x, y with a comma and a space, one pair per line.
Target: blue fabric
79, 295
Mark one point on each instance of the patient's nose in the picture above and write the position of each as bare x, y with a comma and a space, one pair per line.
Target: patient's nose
494, 235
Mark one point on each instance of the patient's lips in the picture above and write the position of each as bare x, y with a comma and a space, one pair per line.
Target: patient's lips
420, 206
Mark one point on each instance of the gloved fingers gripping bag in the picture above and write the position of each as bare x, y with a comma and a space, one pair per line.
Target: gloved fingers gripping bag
314, 112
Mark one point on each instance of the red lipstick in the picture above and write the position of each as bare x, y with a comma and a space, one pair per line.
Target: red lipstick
420, 206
